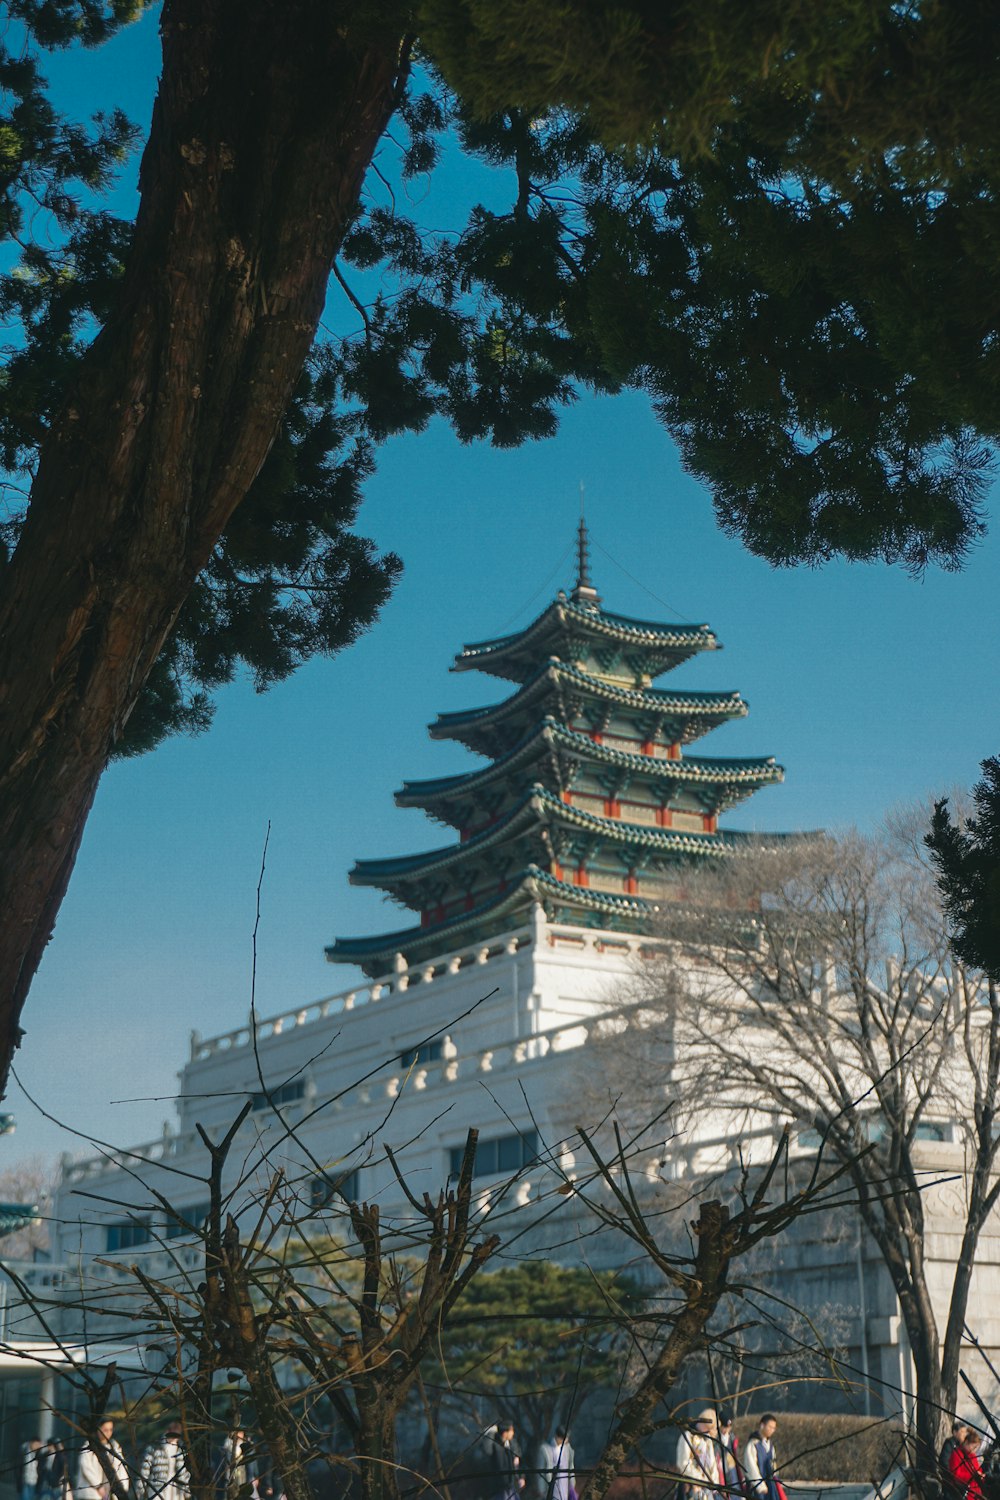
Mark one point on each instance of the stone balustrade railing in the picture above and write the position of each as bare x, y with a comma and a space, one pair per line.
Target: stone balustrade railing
450, 1068
400, 979
404, 977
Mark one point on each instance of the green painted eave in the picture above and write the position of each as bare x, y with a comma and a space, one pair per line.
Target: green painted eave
564, 617
417, 944
15, 1216
540, 807
693, 770
718, 707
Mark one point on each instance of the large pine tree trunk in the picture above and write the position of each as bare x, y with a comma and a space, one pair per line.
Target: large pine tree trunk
267, 118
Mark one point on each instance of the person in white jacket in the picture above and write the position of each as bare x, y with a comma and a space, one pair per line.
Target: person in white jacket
163, 1472
92, 1479
556, 1468
699, 1459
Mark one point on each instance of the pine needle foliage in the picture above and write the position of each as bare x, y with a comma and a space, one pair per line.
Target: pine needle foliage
537, 1338
781, 221
967, 859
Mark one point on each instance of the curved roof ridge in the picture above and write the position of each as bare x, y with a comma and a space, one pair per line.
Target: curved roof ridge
527, 882
598, 622
690, 768
653, 698
493, 833
619, 830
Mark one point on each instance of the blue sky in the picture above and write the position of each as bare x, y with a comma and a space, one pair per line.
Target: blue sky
870, 688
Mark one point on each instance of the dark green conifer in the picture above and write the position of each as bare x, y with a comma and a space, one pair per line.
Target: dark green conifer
967, 857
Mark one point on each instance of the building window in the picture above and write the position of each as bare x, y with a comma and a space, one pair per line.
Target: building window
504, 1153
127, 1235
282, 1093
427, 1052
194, 1216
345, 1185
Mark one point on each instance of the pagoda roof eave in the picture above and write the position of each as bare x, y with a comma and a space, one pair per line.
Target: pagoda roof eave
15, 1216
718, 705
369, 871
532, 885
686, 639
693, 769
541, 806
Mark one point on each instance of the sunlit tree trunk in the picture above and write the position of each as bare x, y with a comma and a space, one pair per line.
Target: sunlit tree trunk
267, 117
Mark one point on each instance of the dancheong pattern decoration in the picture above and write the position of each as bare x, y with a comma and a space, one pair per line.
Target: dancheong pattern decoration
589, 802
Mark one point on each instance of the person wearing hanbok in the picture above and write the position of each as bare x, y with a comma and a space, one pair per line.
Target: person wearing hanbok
700, 1470
760, 1463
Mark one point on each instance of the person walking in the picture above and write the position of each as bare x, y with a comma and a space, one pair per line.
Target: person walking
959, 1427
760, 1463
502, 1461
699, 1458
729, 1452
163, 1472
268, 1479
47, 1488
237, 1471
556, 1467
58, 1471
92, 1482
965, 1468
30, 1467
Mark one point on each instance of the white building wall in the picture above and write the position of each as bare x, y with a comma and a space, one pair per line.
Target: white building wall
515, 1017
512, 1017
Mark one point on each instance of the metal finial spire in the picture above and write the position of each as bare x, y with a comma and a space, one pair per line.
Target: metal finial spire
584, 592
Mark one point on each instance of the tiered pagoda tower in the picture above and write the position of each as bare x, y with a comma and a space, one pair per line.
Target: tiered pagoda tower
588, 805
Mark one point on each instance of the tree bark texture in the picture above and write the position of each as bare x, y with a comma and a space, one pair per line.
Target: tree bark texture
244, 1343
637, 1415
267, 117
896, 1225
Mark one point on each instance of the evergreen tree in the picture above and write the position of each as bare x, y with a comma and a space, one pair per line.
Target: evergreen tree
967, 858
532, 1341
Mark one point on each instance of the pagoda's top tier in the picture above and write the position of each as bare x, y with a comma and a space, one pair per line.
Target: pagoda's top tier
614, 647
590, 804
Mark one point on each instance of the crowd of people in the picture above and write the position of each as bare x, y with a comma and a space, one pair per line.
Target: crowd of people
45, 1470
48, 1473
552, 1477
710, 1462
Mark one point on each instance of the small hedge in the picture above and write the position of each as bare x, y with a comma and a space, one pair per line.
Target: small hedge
844, 1449
631, 1486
